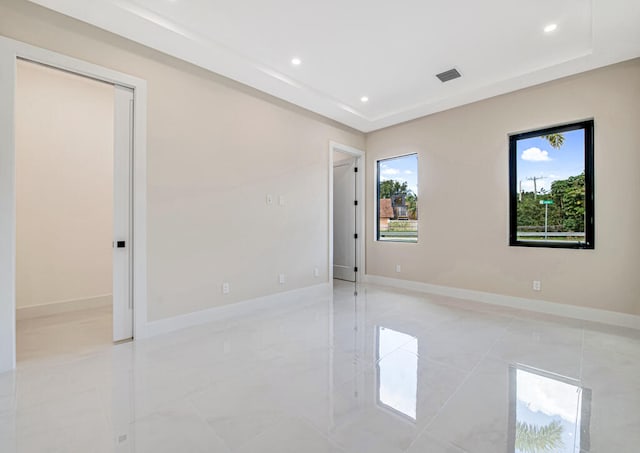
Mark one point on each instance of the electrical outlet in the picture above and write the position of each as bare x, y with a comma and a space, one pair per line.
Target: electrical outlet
225, 288
316, 272
537, 285
398, 268
269, 199
281, 279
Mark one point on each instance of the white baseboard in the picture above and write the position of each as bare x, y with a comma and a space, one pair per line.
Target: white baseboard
293, 298
540, 306
54, 308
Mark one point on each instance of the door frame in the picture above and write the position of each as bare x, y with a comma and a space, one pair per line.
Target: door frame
360, 215
10, 51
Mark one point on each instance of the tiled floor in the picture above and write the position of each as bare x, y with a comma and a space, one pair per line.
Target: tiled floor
383, 371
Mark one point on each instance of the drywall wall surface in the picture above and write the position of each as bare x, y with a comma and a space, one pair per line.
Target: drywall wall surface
216, 149
64, 186
464, 194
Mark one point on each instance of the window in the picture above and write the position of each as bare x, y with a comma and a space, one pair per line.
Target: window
397, 199
551, 187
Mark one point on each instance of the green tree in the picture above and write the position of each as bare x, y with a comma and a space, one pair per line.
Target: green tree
412, 208
569, 194
530, 212
538, 439
567, 212
555, 140
391, 187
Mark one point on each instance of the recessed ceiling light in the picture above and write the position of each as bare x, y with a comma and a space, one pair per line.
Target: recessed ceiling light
551, 27
296, 61
364, 99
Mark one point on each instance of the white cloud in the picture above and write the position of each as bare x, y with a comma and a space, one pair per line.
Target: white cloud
549, 396
387, 171
535, 155
408, 172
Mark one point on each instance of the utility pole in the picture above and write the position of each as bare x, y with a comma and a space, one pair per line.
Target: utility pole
535, 186
520, 192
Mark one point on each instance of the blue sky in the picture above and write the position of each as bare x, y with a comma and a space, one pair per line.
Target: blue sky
401, 169
537, 158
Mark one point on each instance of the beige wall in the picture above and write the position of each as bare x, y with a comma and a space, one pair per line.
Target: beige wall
64, 177
464, 199
215, 150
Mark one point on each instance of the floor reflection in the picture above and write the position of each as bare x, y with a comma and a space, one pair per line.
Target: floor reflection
404, 391
548, 412
380, 371
397, 371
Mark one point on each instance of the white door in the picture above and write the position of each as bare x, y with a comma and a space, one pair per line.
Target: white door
344, 220
123, 152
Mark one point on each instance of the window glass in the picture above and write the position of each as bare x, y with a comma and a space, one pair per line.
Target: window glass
397, 189
552, 187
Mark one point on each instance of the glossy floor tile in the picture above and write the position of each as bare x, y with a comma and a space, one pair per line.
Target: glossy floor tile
378, 371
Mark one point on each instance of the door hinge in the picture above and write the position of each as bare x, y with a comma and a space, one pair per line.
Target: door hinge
355, 169
355, 236
355, 202
355, 269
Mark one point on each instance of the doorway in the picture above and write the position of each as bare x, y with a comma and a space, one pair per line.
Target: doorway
347, 219
73, 148
129, 281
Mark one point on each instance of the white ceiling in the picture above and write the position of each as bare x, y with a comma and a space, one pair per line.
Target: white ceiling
388, 51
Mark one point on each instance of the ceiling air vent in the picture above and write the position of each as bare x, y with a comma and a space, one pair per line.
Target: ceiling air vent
448, 75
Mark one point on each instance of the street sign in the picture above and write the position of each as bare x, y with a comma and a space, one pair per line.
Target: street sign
546, 201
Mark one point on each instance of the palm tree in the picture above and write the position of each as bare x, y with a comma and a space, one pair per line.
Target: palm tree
538, 439
555, 140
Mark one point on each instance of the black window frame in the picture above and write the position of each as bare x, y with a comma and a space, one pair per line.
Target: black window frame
589, 243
